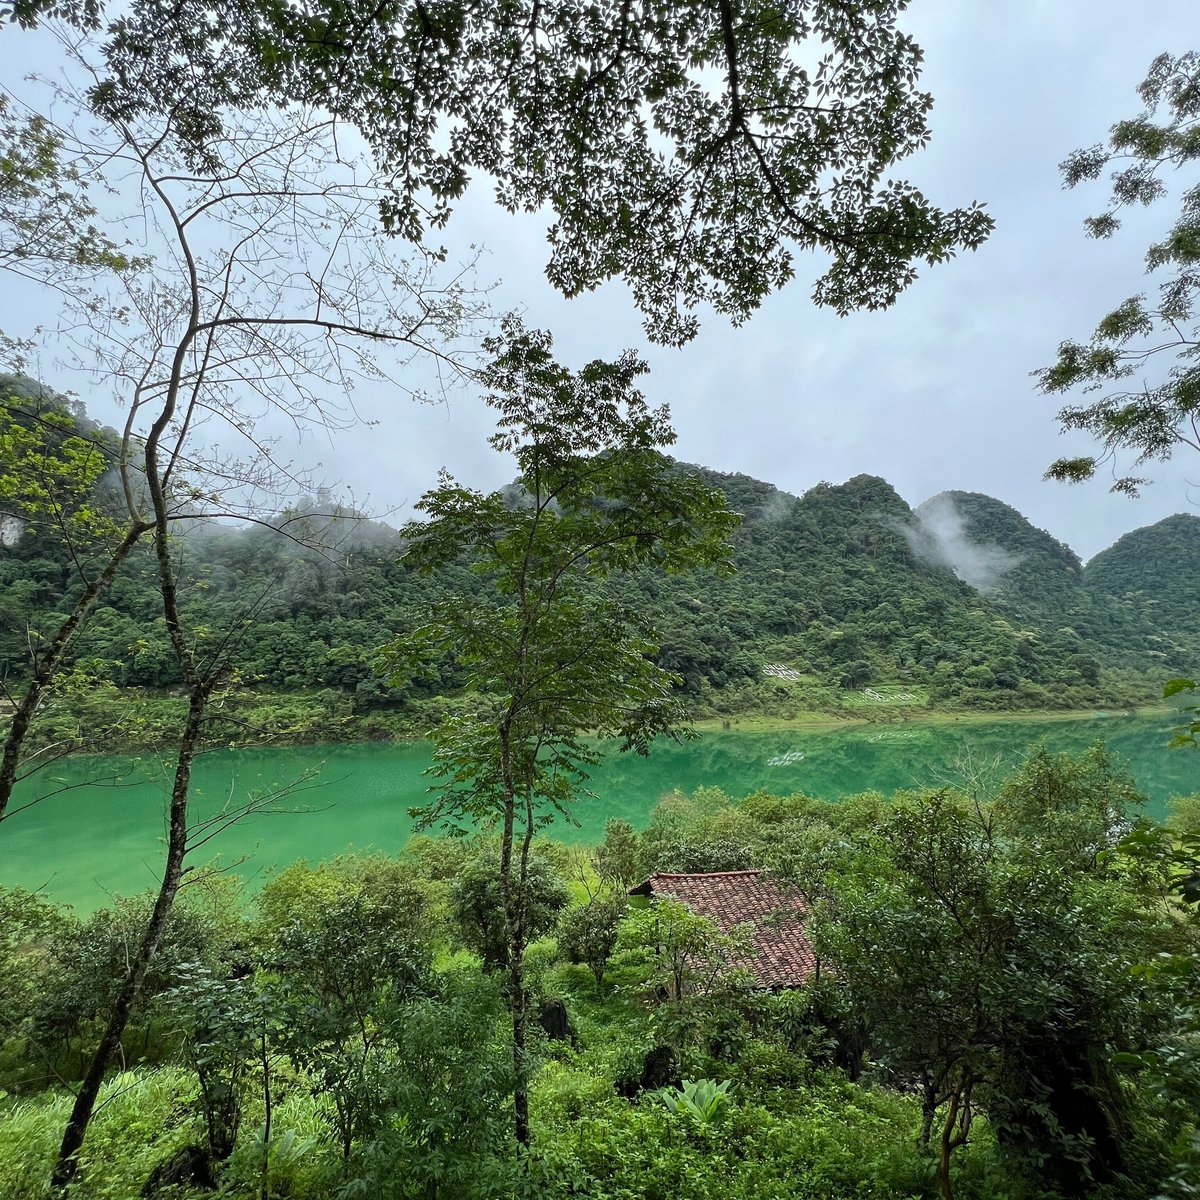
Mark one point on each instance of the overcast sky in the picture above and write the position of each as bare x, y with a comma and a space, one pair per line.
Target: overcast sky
933, 394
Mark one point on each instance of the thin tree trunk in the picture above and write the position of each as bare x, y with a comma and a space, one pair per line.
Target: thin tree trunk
520, 998
954, 1134
516, 949
67, 1165
265, 1184
199, 691
515, 899
50, 660
516, 979
928, 1112
946, 1148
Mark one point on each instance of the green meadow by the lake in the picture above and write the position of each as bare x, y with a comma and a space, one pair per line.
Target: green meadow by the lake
98, 829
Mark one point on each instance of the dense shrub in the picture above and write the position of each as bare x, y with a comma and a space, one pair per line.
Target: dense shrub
588, 933
477, 902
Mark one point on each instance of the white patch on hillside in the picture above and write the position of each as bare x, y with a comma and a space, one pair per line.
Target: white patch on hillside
12, 529
778, 507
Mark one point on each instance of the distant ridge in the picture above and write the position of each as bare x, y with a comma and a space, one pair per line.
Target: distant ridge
1153, 574
846, 600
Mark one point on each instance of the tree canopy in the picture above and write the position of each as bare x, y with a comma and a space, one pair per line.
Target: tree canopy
1147, 407
985, 947
692, 150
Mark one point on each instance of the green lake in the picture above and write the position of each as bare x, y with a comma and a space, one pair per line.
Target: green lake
98, 830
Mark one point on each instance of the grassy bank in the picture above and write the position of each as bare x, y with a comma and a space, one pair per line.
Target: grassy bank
762, 723
100, 718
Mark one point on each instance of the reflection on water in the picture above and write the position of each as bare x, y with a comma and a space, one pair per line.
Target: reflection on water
100, 828
786, 760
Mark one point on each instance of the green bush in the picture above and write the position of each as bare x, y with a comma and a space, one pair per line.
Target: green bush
478, 906
138, 1123
588, 933
563, 1093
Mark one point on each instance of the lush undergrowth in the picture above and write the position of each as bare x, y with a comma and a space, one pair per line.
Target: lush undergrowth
824, 1138
345, 1033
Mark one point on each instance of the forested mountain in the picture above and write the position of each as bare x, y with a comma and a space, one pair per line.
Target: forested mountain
830, 587
961, 600
1036, 580
843, 597
1151, 576
991, 546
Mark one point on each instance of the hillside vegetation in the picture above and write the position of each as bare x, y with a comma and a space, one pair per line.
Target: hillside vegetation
342, 1033
845, 601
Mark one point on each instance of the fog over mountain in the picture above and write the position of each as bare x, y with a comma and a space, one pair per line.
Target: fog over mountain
938, 534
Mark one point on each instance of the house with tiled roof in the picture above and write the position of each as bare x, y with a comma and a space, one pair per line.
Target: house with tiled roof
774, 915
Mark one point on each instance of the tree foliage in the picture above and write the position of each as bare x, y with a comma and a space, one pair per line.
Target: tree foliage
589, 932
1143, 354
689, 954
355, 937
477, 906
549, 656
691, 150
53, 464
50, 230
988, 949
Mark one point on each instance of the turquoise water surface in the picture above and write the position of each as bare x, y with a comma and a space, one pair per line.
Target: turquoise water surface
98, 830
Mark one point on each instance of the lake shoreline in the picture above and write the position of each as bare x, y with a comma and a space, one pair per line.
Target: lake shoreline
753, 723
817, 722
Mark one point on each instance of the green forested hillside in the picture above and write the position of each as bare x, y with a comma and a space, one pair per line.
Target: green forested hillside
1040, 583
834, 586
1150, 576
993, 547
844, 600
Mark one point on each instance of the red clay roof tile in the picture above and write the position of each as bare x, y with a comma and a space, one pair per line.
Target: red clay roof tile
783, 956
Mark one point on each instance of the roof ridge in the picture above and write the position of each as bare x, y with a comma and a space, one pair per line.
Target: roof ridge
707, 874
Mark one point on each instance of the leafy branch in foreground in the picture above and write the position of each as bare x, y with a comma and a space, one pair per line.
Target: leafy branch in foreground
690, 149
553, 663
1185, 689
51, 232
1156, 411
